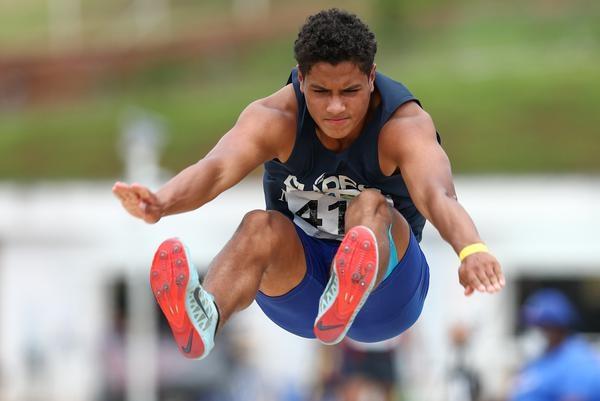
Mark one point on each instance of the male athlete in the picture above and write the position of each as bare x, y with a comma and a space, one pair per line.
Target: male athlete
353, 167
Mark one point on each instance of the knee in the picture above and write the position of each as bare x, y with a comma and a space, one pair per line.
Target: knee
369, 200
259, 233
261, 221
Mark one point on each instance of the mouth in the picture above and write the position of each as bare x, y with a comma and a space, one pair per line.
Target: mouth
337, 121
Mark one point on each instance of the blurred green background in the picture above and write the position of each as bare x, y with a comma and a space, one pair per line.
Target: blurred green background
513, 86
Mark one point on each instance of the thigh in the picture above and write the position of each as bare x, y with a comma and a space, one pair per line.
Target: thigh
287, 264
296, 310
397, 303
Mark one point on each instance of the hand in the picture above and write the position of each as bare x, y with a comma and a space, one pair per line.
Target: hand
139, 201
481, 271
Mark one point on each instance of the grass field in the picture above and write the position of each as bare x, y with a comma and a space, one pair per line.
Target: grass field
511, 90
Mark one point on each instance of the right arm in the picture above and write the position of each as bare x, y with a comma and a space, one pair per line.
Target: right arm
264, 130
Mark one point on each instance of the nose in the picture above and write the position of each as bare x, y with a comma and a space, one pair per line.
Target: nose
335, 106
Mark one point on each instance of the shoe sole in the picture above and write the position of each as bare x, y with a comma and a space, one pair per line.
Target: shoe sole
170, 278
356, 265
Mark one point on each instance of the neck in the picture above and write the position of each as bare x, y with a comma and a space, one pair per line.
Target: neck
556, 337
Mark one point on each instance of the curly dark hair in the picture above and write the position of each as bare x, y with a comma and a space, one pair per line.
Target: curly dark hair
334, 36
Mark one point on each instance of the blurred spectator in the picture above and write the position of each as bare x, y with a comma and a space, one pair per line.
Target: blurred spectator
568, 368
463, 381
356, 371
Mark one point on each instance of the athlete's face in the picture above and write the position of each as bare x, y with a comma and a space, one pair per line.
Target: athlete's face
337, 97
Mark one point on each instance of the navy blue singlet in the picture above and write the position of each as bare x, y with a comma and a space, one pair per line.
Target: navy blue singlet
314, 185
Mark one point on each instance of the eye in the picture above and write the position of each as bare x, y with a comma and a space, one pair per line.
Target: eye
351, 90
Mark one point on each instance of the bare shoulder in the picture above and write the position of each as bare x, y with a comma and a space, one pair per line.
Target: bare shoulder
409, 127
283, 100
279, 109
274, 117
270, 122
408, 120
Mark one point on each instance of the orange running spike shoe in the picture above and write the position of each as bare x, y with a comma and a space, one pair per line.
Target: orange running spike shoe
353, 276
189, 309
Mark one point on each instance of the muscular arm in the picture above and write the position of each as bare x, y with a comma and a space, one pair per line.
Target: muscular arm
426, 171
264, 130
410, 138
256, 137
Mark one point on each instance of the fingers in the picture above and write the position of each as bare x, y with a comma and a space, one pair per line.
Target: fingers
485, 281
125, 194
144, 193
499, 274
120, 189
495, 280
136, 199
495, 275
482, 274
475, 281
133, 192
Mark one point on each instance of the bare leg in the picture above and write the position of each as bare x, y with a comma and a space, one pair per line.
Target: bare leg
264, 253
371, 209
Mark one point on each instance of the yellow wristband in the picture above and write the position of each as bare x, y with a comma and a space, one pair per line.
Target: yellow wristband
471, 249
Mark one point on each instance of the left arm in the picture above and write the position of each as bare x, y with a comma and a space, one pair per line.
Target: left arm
413, 148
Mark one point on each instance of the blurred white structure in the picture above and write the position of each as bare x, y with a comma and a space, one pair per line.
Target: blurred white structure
61, 245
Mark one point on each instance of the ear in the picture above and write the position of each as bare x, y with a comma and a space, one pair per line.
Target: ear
372, 77
300, 79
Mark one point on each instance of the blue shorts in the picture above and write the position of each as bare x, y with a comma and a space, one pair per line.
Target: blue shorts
391, 308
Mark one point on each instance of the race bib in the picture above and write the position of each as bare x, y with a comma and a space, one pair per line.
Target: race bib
320, 215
